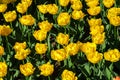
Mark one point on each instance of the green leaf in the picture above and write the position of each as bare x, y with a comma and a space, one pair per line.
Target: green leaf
108, 73
111, 67
84, 70
70, 64
87, 68
16, 73
57, 79
103, 46
17, 24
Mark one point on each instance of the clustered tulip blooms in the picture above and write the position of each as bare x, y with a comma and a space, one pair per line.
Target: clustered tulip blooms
59, 39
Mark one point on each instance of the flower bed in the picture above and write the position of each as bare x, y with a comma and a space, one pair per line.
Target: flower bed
59, 39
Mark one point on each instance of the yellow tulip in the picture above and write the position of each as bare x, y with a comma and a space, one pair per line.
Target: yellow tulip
113, 16
68, 75
59, 55
41, 48
18, 46
27, 69
22, 54
76, 15
3, 7
5, 30
94, 57
45, 26
72, 48
3, 69
73, 1
42, 8
52, 9
98, 38
10, 16
77, 5
1, 50
93, 11
113, 12
64, 2
62, 39
94, 30
63, 19
115, 21
40, 35
95, 22
108, 3
46, 69
93, 3
27, 20
112, 55
88, 47
29, 2
22, 7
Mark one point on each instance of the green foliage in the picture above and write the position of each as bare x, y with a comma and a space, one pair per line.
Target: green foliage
78, 30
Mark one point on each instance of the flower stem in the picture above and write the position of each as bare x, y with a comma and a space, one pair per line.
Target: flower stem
48, 77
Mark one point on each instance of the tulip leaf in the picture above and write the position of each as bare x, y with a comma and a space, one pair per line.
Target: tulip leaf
87, 68
108, 73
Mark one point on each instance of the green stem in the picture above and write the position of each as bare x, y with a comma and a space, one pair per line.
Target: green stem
23, 62
115, 33
11, 25
58, 46
65, 62
115, 5
38, 15
71, 39
21, 29
41, 16
83, 72
1, 59
65, 29
48, 77
70, 64
95, 69
26, 78
56, 1
29, 34
65, 8
35, 2
88, 79
12, 28
7, 44
48, 42
24, 28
